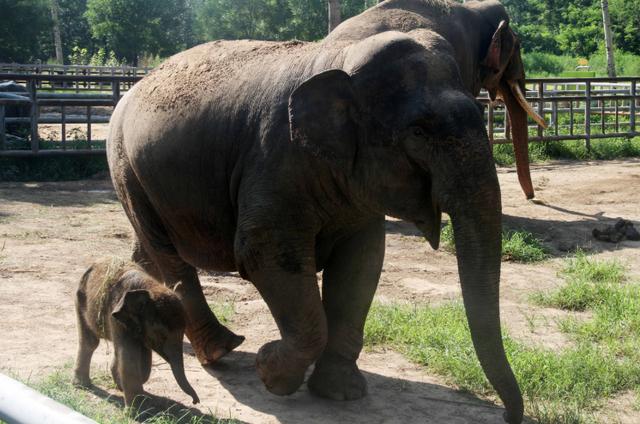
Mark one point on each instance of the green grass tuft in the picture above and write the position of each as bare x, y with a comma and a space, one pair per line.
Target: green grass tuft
589, 283
570, 383
517, 246
224, 311
522, 246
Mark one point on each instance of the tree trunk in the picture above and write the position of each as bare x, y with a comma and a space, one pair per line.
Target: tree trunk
608, 38
57, 37
334, 14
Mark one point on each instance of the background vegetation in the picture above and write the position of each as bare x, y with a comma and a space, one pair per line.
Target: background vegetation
557, 35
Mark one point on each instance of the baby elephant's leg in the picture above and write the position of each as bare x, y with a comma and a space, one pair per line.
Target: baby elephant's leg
87, 344
133, 367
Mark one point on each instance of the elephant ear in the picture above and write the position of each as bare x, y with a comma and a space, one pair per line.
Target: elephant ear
498, 58
324, 118
130, 307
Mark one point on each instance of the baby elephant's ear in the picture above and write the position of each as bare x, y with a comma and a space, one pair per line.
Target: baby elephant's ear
324, 118
130, 307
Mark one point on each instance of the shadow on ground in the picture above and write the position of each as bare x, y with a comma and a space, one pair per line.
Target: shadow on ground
560, 237
159, 407
390, 400
68, 193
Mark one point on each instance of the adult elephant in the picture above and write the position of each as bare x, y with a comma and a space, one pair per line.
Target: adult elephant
486, 49
280, 160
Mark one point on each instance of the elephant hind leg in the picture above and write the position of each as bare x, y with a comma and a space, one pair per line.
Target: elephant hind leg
155, 252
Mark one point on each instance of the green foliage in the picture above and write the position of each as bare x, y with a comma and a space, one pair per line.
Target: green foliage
517, 246
560, 386
81, 56
25, 31
625, 20
131, 27
136, 28
269, 19
74, 28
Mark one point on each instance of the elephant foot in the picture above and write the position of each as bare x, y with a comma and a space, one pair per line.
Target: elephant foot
80, 380
281, 374
337, 378
212, 342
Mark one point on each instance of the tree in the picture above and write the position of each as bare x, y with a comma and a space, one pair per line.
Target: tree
25, 31
57, 37
625, 21
333, 8
74, 27
608, 38
133, 27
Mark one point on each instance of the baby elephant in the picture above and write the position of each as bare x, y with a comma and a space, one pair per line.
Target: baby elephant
116, 300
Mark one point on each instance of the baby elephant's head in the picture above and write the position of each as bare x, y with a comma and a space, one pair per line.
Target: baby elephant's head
158, 318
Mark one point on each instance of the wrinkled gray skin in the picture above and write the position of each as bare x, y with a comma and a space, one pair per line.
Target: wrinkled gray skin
125, 305
486, 50
280, 160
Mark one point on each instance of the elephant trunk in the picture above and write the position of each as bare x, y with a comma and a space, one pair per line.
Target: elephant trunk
174, 357
477, 232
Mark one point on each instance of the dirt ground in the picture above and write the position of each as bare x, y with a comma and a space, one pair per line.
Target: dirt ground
50, 233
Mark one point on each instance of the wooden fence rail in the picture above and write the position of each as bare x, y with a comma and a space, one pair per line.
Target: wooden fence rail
576, 109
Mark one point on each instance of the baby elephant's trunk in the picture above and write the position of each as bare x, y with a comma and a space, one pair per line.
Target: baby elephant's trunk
174, 357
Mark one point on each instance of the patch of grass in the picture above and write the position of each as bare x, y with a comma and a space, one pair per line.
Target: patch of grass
517, 246
589, 283
224, 311
522, 246
569, 383
58, 387
605, 149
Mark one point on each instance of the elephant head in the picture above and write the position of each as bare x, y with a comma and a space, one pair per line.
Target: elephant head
410, 147
159, 319
501, 73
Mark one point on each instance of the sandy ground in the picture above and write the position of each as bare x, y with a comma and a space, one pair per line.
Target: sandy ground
50, 232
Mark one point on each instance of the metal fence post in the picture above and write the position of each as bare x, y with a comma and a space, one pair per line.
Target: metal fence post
587, 116
632, 117
490, 119
540, 108
2, 128
35, 139
115, 88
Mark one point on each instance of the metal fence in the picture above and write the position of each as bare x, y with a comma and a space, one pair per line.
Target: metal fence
125, 71
63, 100
576, 109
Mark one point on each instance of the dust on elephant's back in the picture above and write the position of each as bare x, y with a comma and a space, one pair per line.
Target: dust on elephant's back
206, 72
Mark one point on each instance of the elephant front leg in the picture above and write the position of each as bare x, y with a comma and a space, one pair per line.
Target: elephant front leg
350, 280
283, 271
209, 338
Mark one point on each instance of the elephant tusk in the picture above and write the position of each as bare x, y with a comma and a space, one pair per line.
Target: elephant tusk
522, 100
